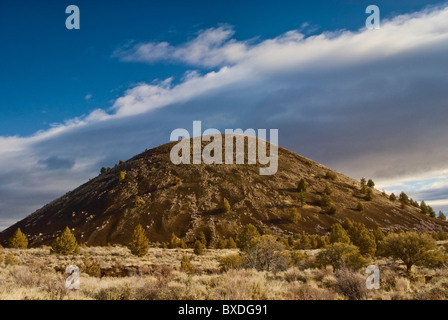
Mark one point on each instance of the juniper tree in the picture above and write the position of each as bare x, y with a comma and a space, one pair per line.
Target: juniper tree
360, 207
201, 237
198, 247
18, 240
226, 206
139, 244
338, 234
301, 186
423, 207
247, 237
413, 249
302, 198
363, 239
174, 241
231, 244
370, 183
65, 244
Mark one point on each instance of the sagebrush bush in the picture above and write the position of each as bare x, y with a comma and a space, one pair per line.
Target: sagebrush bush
350, 284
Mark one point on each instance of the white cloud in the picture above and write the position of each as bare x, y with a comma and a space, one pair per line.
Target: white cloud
369, 103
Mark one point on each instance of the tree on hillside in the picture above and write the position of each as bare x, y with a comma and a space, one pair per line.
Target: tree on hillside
369, 195
404, 199
338, 234
363, 239
226, 206
370, 183
302, 198
327, 190
65, 244
139, 244
301, 186
247, 237
413, 249
442, 216
392, 197
18, 240
424, 208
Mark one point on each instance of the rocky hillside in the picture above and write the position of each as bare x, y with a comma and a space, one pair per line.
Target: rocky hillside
186, 199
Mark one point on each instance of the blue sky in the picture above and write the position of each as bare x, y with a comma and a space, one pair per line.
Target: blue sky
372, 107
48, 71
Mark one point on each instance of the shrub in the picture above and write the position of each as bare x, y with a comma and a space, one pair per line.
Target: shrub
328, 191
139, 244
10, 259
186, 265
225, 206
347, 224
320, 242
202, 239
198, 247
392, 197
369, 195
266, 254
340, 255
248, 236
18, 240
325, 200
65, 244
121, 175
360, 207
183, 245
103, 170
332, 209
412, 248
222, 243
293, 215
301, 186
229, 262
330, 175
174, 241
177, 181
338, 234
138, 201
363, 181
442, 216
370, 183
351, 285
231, 244
299, 258
91, 267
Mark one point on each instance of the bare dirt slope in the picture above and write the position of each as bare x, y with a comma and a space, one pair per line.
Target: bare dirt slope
106, 210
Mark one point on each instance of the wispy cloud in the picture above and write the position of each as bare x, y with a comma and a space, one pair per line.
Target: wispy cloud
369, 103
